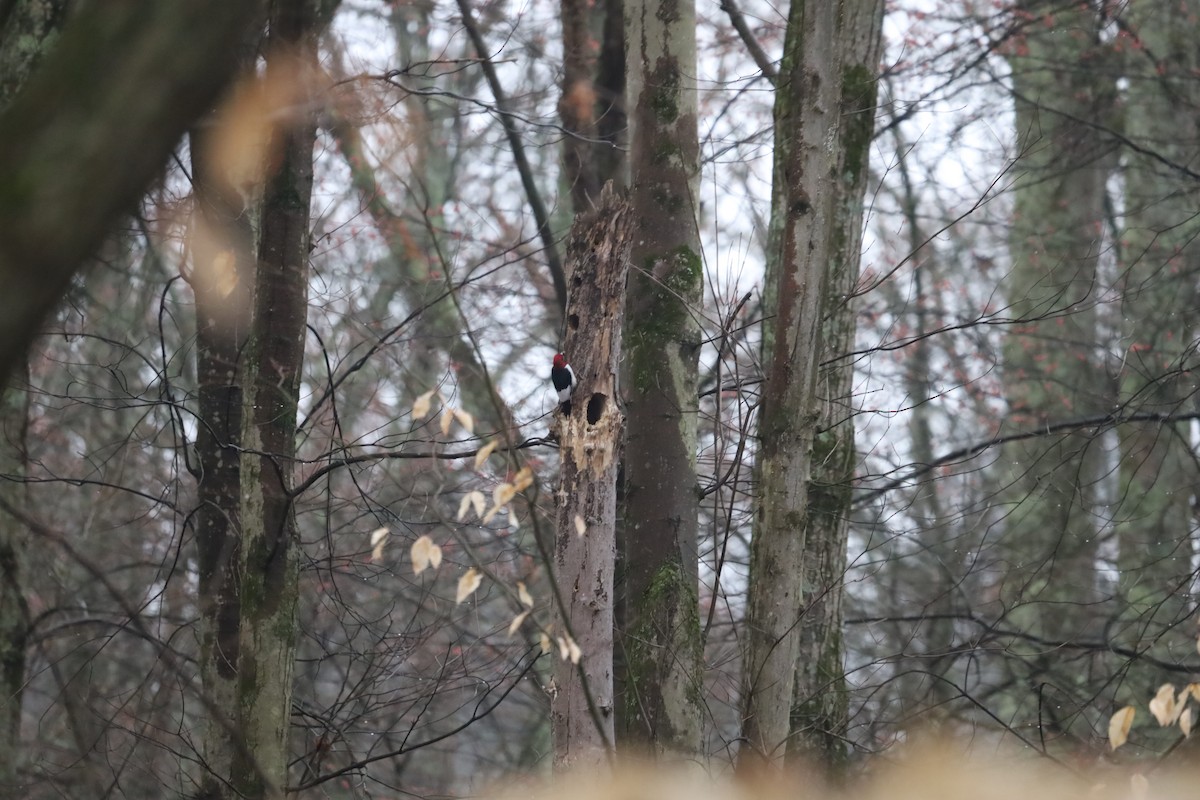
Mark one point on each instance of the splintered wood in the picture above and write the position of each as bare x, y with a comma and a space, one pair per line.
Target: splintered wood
590, 438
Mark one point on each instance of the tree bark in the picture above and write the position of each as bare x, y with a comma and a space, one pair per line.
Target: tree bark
272, 366
820, 706
27, 33
828, 64
661, 686
14, 612
1155, 521
127, 80
222, 280
590, 104
590, 438
1063, 96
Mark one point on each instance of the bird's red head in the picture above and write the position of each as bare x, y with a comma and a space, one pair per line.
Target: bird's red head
560, 361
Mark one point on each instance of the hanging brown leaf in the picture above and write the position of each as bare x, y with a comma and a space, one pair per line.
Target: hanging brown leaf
524, 595
1163, 705
463, 505
425, 553
568, 650
523, 480
465, 420
580, 526
516, 623
503, 494
467, 584
447, 420
482, 456
1118, 726
379, 538
422, 405
478, 502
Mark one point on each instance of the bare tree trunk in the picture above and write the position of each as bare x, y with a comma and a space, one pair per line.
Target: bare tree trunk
820, 708
128, 79
274, 356
25, 34
825, 88
661, 688
1155, 521
591, 104
14, 613
1063, 97
590, 437
222, 278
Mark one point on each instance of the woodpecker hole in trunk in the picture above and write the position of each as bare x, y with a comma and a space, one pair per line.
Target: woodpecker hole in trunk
595, 408
573, 321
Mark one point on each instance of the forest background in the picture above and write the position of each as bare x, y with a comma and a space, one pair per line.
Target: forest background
886, 415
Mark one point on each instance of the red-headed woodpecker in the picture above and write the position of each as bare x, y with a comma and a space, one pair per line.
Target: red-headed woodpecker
563, 378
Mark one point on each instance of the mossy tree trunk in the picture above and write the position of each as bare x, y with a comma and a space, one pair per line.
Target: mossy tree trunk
27, 31
590, 437
820, 708
222, 278
1155, 521
250, 279
661, 679
272, 365
14, 613
129, 79
1049, 535
825, 92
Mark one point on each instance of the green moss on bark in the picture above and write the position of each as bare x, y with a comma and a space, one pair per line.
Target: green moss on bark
670, 604
664, 314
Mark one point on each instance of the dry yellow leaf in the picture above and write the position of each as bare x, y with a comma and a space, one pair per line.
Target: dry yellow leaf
425, 553
463, 505
516, 623
1181, 701
465, 420
467, 584
482, 456
447, 420
422, 405
1163, 705
544, 641
378, 542
524, 594
513, 522
471, 500
1118, 726
503, 493
478, 502
523, 480
1185, 722
580, 526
